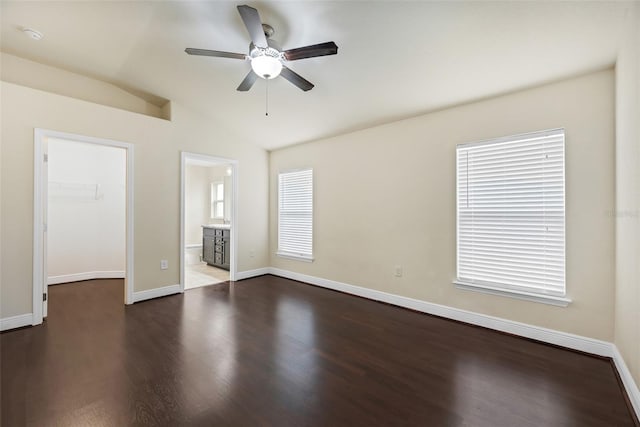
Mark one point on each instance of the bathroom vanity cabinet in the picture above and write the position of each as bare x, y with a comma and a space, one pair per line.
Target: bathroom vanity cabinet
215, 246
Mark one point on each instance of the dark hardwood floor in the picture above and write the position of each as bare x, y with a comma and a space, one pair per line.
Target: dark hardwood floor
270, 351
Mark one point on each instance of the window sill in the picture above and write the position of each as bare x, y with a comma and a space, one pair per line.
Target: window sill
295, 257
527, 296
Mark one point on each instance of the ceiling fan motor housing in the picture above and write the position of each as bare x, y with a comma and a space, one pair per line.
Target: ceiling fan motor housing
273, 50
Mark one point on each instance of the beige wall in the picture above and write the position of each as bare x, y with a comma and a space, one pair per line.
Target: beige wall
44, 77
385, 196
157, 183
627, 213
196, 203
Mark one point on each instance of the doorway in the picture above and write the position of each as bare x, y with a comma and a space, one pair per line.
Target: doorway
83, 213
208, 220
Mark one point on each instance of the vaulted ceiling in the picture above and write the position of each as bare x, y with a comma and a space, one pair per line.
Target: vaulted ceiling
396, 59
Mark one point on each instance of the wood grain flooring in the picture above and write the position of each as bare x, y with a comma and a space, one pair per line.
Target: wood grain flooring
274, 352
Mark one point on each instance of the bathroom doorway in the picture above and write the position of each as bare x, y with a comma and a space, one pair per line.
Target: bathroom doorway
208, 220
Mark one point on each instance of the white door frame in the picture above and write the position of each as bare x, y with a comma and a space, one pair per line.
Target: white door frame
184, 157
40, 204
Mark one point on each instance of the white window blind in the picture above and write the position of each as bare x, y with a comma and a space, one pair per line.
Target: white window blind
295, 214
511, 213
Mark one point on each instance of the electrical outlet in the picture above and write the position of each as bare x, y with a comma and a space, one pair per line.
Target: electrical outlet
252, 254
164, 264
398, 271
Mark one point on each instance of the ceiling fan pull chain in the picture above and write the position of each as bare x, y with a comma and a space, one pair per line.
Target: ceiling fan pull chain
266, 108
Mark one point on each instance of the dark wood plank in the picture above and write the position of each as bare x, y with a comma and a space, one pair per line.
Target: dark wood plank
270, 351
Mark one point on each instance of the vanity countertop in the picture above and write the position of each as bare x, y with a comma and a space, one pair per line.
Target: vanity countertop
218, 226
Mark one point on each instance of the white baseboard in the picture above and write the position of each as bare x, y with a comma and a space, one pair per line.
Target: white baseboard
156, 293
564, 339
89, 275
550, 336
241, 275
629, 384
16, 321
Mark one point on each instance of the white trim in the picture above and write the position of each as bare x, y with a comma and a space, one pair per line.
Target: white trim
16, 321
296, 257
564, 339
550, 336
235, 201
512, 293
39, 204
241, 275
194, 246
182, 221
38, 226
156, 293
627, 380
89, 275
128, 280
518, 136
201, 160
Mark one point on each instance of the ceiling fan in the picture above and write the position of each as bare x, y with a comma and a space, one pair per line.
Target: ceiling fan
267, 59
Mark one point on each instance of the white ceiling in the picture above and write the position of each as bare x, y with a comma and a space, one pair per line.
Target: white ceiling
396, 59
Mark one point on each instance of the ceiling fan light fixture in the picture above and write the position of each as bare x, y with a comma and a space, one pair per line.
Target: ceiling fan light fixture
266, 66
267, 59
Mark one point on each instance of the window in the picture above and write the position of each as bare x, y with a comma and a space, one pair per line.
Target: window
217, 200
295, 214
511, 216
